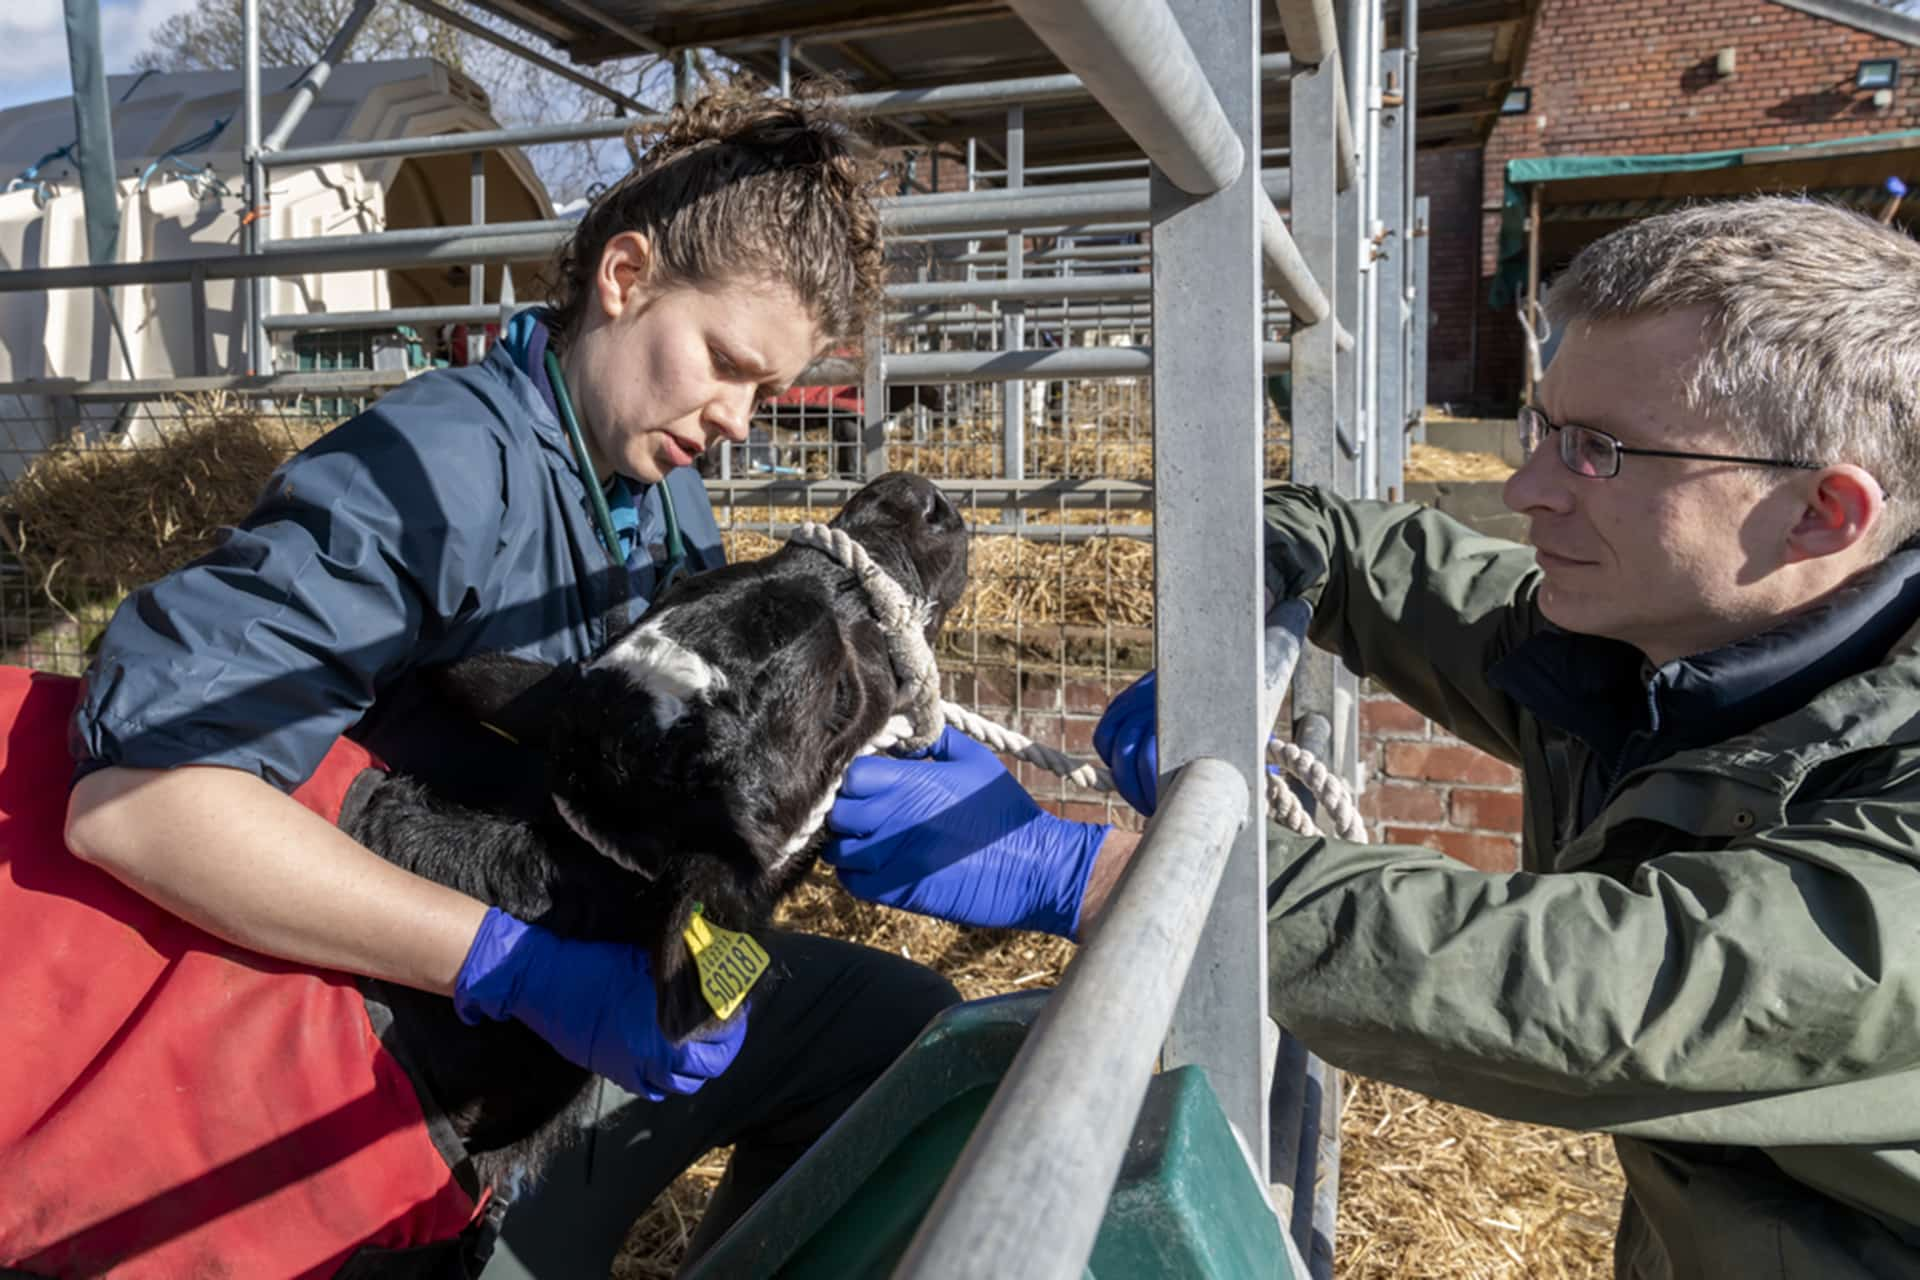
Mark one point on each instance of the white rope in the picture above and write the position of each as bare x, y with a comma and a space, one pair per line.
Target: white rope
904, 618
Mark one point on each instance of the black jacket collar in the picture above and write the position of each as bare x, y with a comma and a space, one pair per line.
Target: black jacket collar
1605, 693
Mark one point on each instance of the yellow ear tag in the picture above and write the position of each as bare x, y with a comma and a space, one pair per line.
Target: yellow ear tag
728, 963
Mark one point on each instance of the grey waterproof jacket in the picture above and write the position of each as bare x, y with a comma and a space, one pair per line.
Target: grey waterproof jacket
1722, 969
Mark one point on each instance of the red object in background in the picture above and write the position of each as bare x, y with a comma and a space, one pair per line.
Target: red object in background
456, 338
836, 399
172, 1105
832, 399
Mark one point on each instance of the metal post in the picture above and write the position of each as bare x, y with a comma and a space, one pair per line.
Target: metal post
1028, 1193
1391, 294
254, 334
1013, 395
1313, 414
1370, 259
1352, 283
873, 402
786, 66
1316, 457
1414, 406
202, 350
93, 127
682, 77
307, 91
454, 18
1208, 582
1530, 317
1420, 295
1348, 289
477, 273
1135, 60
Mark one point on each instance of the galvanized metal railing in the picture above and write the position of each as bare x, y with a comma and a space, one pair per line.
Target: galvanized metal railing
1333, 234
1027, 1195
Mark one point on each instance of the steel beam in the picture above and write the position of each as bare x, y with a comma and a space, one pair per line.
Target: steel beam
327, 382
255, 349
1391, 295
638, 39
1421, 295
1140, 66
1013, 335
480, 31
307, 91
1062, 495
93, 130
1135, 285
999, 366
1208, 416
1028, 1193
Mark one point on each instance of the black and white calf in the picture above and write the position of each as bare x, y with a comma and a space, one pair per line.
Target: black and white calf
688, 762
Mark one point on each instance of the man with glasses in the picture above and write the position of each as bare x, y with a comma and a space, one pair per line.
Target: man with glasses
1706, 664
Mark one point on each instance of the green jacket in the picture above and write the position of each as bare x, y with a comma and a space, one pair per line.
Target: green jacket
1722, 969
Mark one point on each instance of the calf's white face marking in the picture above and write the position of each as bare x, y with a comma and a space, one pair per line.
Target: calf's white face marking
672, 673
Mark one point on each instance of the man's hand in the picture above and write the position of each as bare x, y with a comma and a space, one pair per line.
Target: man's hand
954, 835
1129, 746
592, 1001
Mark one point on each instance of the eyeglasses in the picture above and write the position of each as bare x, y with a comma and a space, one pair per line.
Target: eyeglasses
1589, 451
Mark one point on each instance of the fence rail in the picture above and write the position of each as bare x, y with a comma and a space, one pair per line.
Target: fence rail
1019, 374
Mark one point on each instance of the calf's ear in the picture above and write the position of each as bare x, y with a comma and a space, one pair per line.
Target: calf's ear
736, 968
514, 695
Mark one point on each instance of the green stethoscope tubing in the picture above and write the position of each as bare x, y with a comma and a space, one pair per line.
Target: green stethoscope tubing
602, 517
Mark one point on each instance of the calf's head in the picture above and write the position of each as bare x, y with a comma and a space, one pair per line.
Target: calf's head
699, 750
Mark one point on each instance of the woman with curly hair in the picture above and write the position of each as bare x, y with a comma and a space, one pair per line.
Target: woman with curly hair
532, 504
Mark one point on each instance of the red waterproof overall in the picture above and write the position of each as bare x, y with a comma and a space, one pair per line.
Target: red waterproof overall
170, 1105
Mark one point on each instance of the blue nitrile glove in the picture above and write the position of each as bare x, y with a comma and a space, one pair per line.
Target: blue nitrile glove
1127, 739
592, 1001
954, 835
1128, 746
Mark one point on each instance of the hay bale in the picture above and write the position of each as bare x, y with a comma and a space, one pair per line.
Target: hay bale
1019, 585
1430, 464
97, 516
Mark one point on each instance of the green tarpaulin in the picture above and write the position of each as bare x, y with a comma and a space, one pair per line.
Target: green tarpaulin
1510, 279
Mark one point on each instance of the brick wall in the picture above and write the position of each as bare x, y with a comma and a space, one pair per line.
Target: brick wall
1428, 788
1055, 711
1635, 77
1423, 786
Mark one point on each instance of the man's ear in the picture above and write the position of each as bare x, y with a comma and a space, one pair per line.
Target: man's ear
626, 264
1840, 510
515, 696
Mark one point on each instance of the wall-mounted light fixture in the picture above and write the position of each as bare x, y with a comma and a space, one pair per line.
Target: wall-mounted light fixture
1725, 61
1877, 73
1518, 102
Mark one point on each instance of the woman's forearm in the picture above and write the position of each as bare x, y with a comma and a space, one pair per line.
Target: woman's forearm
231, 854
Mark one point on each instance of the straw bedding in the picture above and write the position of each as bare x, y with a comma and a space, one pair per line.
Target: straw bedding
1427, 1190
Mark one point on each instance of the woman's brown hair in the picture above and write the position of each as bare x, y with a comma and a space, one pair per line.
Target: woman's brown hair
737, 185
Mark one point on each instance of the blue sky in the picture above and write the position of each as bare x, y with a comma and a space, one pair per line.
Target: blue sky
34, 35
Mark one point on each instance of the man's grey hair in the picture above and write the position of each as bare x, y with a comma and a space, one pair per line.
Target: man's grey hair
1813, 350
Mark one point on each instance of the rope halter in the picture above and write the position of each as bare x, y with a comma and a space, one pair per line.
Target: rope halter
903, 618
